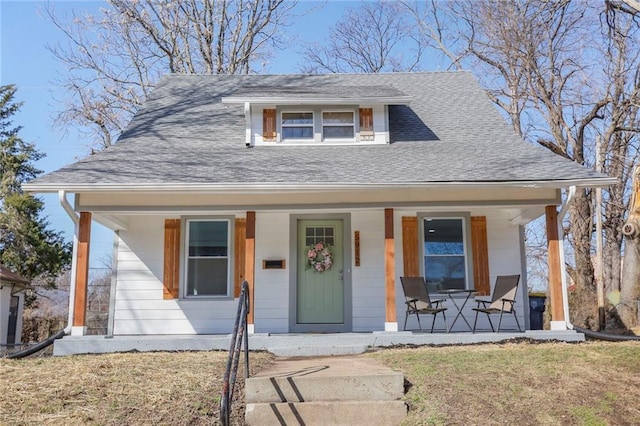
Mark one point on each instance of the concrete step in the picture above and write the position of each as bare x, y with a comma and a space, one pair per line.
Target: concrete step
325, 379
350, 413
317, 350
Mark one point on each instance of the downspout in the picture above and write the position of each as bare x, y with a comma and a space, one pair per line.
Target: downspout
563, 268
62, 197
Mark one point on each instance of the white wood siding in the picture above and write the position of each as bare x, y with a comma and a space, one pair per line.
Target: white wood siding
504, 259
368, 278
141, 309
272, 285
139, 305
381, 132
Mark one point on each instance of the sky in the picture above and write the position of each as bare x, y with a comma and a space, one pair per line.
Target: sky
25, 33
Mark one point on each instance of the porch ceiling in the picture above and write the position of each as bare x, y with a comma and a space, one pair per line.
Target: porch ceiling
518, 198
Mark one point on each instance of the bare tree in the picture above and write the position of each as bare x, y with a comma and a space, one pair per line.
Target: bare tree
117, 56
564, 77
374, 37
631, 7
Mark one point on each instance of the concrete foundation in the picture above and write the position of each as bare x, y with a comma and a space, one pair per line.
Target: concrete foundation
296, 344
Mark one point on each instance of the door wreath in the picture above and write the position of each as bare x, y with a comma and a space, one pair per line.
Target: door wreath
319, 257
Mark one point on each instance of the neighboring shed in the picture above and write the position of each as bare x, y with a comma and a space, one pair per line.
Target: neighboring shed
12, 287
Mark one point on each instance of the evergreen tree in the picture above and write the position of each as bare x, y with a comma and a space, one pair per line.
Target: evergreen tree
27, 246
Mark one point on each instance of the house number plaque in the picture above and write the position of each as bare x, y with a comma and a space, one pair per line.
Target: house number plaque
356, 242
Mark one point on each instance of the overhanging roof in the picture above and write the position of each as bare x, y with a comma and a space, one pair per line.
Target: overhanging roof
168, 187
321, 95
185, 139
9, 277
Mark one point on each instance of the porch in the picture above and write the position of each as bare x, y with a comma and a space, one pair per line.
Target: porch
299, 344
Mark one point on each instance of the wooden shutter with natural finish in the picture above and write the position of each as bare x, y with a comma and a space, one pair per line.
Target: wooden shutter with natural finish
410, 247
480, 253
366, 119
366, 123
239, 249
269, 125
171, 282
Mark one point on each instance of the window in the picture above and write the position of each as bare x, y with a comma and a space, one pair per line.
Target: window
338, 125
445, 253
207, 258
320, 234
297, 125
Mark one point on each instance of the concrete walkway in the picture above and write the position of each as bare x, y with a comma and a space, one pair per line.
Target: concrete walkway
297, 344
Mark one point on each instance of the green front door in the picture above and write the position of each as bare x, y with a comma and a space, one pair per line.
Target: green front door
320, 274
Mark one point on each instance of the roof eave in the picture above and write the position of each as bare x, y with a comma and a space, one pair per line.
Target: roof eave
287, 100
295, 187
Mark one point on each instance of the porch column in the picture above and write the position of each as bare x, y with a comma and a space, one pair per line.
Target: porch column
82, 275
250, 265
555, 270
391, 320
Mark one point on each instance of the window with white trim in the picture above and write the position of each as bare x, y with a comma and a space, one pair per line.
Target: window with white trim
207, 257
338, 125
445, 253
297, 125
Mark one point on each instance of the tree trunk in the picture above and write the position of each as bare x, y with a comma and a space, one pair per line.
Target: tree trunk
630, 286
582, 231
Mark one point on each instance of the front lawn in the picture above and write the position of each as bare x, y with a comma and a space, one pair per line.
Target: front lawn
593, 383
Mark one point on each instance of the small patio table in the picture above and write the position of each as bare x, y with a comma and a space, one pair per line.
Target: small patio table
460, 308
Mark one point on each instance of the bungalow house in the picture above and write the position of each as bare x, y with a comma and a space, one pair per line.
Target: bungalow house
320, 191
12, 288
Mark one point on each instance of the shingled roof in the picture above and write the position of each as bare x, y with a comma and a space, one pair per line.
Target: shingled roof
450, 132
7, 276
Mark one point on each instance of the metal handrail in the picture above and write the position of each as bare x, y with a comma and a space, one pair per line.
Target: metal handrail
237, 338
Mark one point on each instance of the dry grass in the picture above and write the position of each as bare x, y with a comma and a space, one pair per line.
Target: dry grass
116, 389
594, 383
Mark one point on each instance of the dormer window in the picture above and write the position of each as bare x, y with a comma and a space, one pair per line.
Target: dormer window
316, 114
338, 125
297, 125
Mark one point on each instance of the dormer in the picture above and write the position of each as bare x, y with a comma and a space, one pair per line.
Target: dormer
320, 115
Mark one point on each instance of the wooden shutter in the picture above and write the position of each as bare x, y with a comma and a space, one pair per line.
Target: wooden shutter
366, 119
171, 282
269, 124
239, 258
480, 253
410, 247
366, 124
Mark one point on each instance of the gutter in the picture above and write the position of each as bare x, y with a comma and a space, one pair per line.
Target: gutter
283, 187
62, 197
563, 268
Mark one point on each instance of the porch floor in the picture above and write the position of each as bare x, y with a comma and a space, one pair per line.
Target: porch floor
296, 344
